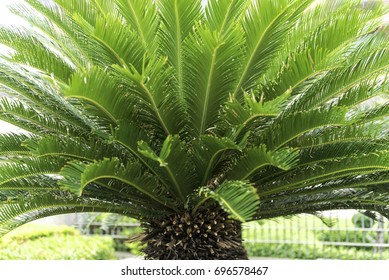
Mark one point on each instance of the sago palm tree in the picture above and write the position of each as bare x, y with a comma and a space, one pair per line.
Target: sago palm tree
194, 119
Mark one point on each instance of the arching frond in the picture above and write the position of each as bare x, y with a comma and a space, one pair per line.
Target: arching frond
355, 132
363, 92
331, 151
122, 47
57, 27
29, 167
26, 209
359, 69
240, 118
319, 43
73, 148
29, 185
347, 200
101, 91
256, 158
78, 175
280, 133
237, 198
337, 168
11, 144
32, 120
381, 112
35, 90
372, 181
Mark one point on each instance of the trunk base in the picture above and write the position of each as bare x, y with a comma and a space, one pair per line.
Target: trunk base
205, 235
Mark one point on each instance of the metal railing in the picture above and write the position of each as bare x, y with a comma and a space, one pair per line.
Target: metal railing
350, 236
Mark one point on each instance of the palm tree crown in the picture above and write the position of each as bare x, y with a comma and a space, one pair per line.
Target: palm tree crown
155, 108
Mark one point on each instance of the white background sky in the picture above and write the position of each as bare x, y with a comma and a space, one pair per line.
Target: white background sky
6, 17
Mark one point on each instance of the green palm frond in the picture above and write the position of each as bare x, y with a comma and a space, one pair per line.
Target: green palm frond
72, 148
329, 170
279, 133
57, 29
340, 200
99, 89
32, 52
142, 16
380, 112
254, 159
149, 90
129, 137
333, 151
32, 120
363, 181
360, 132
266, 27
41, 92
29, 184
85, 9
211, 68
305, 61
122, 47
176, 164
151, 108
239, 119
22, 210
237, 198
77, 175
29, 167
209, 152
11, 144
336, 82
178, 18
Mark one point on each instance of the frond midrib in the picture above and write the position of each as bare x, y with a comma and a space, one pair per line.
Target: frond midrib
138, 25
251, 58
208, 91
180, 74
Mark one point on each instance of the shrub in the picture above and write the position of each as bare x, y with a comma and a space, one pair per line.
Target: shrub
31, 232
361, 221
298, 251
45, 242
135, 248
352, 236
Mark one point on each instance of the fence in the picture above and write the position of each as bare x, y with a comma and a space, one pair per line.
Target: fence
349, 235
344, 235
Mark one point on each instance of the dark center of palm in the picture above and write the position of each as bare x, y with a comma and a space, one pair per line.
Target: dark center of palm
207, 234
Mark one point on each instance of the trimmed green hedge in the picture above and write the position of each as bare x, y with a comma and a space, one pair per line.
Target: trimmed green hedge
352, 236
306, 252
49, 242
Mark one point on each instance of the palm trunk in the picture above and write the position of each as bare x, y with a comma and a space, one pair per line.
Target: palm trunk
204, 235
